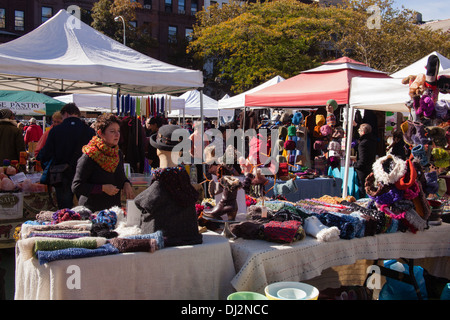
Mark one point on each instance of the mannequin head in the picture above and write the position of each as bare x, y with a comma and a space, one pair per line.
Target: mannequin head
167, 158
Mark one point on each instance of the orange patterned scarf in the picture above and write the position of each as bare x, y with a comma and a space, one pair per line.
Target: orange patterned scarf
107, 157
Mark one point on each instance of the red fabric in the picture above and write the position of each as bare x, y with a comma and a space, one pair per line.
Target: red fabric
33, 133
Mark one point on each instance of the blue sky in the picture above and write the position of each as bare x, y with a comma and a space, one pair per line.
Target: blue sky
430, 9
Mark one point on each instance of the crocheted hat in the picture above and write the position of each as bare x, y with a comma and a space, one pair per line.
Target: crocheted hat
292, 131
332, 103
437, 135
320, 120
420, 154
297, 118
389, 169
326, 130
441, 158
334, 145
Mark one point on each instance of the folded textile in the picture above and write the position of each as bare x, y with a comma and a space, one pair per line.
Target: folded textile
283, 232
158, 236
346, 224
75, 253
134, 245
56, 244
74, 225
61, 235
316, 229
27, 246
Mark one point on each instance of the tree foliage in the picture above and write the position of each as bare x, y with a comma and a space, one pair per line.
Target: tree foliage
103, 14
250, 43
398, 41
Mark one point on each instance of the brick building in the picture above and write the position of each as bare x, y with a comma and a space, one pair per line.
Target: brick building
169, 19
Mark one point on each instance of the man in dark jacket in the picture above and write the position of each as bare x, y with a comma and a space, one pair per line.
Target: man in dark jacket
366, 154
63, 146
11, 138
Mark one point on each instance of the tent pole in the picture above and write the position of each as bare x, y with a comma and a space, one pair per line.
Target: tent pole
243, 132
350, 112
202, 133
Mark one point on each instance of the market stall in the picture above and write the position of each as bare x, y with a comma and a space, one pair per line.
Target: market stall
200, 272
29, 103
258, 264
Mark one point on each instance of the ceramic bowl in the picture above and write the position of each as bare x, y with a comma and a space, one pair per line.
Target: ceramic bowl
272, 291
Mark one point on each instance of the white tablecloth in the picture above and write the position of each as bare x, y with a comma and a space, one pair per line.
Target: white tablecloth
187, 272
259, 263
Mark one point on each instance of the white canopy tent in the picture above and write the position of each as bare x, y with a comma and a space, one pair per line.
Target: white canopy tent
420, 66
193, 99
107, 103
68, 56
238, 101
385, 95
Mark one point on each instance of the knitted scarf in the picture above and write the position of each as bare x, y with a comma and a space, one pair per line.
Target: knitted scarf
106, 157
176, 181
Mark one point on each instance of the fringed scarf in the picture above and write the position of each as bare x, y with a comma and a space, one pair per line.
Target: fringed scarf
105, 156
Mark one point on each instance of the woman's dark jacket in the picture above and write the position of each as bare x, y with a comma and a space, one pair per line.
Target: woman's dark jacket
87, 183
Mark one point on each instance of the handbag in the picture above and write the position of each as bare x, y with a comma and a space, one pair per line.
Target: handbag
56, 173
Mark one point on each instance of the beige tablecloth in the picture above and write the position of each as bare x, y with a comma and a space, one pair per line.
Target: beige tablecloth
259, 263
186, 272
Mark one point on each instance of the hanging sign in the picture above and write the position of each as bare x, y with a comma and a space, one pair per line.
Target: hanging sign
24, 108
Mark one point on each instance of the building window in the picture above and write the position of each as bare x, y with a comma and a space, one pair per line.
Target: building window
19, 20
194, 7
172, 34
2, 18
133, 24
168, 6
181, 6
188, 34
147, 4
47, 13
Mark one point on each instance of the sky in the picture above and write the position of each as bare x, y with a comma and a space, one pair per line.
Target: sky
430, 9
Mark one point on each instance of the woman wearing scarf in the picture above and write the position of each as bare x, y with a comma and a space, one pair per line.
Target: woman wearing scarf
100, 174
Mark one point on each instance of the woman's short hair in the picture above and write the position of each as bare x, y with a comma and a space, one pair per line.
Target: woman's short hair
105, 120
366, 128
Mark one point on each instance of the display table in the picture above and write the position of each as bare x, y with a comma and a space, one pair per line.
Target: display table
310, 188
259, 263
186, 272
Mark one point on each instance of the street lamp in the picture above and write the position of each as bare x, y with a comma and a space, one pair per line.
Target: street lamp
117, 19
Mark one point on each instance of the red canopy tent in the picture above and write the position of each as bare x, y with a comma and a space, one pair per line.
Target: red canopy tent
314, 87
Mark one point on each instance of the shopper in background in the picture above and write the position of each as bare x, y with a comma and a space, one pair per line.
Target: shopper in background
63, 146
56, 120
32, 135
152, 126
365, 157
11, 138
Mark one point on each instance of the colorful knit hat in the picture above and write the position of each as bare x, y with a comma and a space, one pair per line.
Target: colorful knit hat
106, 216
420, 154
